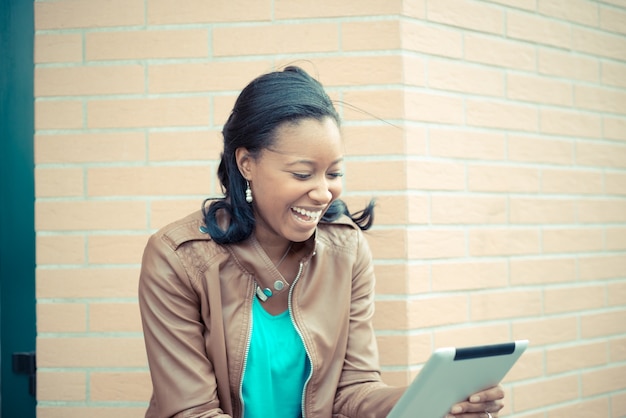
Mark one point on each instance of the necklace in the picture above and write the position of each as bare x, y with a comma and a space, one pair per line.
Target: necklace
284, 255
263, 294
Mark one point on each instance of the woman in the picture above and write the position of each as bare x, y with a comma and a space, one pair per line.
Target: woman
261, 304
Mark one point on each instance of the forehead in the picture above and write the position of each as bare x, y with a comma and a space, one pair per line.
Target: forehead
308, 135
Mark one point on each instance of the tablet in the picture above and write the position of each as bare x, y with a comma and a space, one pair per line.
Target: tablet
451, 375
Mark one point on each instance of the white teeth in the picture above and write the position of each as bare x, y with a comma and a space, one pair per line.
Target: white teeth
313, 215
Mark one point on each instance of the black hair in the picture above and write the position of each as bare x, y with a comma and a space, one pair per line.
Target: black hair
262, 106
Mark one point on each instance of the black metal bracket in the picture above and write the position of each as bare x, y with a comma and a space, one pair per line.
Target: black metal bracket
26, 363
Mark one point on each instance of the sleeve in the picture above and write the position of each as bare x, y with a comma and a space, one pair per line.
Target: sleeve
183, 380
361, 392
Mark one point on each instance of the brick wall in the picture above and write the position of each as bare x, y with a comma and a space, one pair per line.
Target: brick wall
493, 134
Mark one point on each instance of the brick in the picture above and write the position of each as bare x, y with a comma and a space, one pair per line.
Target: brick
146, 44
614, 128
418, 279
145, 181
391, 279
439, 243
570, 123
286, 9
357, 70
419, 37
568, 65
383, 104
58, 47
60, 249
390, 210
544, 392
89, 215
616, 296
114, 317
116, 249
391, 315
468, 276
275, 39
537, 29
163, 212
123, 386
578, 11
541, 211
601, 211
476, 334
61, 317
392, 175
542, 271
376, 35
615, 238
468, 210
508, 304
90, 148
59, 182
598, 43
573, 299
419, 210
83, 81
141, 113
415, 9
601, 267
495, 242
613, 19
487, 178
414, 69
530, 365
428, 107
61, 386
411, 348
615, 183
463, 143
375, 140
613, 73
388, 243
606, 100
204, 76
606, 380
601, 154
222, 106
502, 115
581, 409
467, 14
69, 14
572, 240
603, 324
546, 330
571, 181
58, 114
541, 90
618, 404
438, 311
530, 149
519, 4
434, 175
91, 352
103, 282
499, 52
465, 78
91, 411
164, 12
617, 349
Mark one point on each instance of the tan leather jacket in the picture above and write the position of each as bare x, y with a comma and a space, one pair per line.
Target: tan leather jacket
196, 298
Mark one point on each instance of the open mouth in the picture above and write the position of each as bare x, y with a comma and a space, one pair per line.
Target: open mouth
306, 215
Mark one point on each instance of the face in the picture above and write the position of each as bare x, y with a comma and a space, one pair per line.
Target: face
295, 180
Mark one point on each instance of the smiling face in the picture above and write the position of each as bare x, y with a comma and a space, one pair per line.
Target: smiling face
295, 180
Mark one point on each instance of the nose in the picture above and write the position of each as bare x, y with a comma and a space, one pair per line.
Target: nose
321, 193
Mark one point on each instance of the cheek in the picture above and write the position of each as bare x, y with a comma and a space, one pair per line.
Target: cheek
336, 189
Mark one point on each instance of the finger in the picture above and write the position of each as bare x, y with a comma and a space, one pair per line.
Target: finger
473, 408
491, 394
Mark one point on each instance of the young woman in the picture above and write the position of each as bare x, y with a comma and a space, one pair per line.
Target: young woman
261, 304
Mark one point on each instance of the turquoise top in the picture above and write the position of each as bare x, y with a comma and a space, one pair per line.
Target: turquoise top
276, 368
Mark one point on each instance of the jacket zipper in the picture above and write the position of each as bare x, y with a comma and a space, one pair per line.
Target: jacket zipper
306, 349
245, 355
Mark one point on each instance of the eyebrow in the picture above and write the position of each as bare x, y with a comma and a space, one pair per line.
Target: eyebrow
310, 162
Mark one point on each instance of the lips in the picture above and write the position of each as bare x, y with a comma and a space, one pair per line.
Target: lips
308, 215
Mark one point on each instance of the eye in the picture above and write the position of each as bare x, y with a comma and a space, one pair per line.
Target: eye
335, 175
301, 176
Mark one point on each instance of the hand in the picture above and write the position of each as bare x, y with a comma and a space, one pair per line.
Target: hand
479, 404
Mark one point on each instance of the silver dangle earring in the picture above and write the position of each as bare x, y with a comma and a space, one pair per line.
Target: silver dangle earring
248, 192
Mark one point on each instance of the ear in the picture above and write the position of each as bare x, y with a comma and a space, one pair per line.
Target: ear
244, 162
